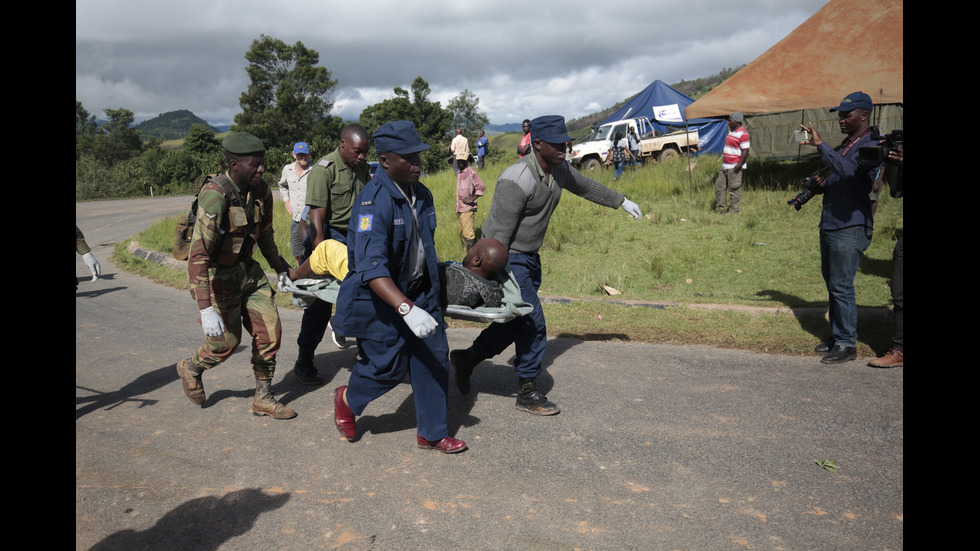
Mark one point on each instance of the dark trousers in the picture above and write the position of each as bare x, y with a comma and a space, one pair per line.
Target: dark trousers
528, 333
382, 366
898, 293
317, 315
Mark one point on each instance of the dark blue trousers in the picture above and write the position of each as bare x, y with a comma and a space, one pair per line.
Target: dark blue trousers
382, 367
528, 333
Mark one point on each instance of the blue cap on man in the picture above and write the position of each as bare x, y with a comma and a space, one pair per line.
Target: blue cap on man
301, 147
550, 129
399, 137
854, 100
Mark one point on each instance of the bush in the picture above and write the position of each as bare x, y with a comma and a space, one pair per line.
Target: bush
94, 180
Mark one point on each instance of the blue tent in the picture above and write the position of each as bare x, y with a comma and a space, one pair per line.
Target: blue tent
711, 132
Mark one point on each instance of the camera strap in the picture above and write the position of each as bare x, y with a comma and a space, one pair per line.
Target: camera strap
847, 147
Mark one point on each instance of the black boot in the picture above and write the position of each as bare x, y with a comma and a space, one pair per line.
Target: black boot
532, 401
463, 363
304, 370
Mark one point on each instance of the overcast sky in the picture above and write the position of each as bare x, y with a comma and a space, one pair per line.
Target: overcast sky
521, 58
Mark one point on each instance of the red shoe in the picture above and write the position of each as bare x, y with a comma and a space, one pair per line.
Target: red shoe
343, 416
446, 445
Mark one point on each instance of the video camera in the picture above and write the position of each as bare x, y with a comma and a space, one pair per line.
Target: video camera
811, 187
876, 154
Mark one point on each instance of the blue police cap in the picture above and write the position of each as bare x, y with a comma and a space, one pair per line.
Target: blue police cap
549, 128
399, 137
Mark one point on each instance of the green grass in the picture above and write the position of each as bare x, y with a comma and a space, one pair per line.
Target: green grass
680, 252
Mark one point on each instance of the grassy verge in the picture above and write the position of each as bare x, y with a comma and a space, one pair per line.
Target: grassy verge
680, 252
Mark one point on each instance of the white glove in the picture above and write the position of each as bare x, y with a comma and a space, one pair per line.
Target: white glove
285, 284
93, 265
632, 208
211, 322
420, 322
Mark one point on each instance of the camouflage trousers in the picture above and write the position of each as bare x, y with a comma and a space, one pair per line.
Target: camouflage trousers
242, 296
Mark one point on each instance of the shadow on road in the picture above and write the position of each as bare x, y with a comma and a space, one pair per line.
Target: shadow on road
203, 523
144, 384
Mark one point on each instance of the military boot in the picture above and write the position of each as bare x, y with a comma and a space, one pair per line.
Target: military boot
265, 402
304, 370
532, 401
190, 378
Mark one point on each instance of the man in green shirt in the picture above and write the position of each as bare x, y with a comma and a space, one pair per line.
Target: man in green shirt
333, 183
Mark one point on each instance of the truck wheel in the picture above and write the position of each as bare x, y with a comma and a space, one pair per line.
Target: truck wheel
668, 154
592, 164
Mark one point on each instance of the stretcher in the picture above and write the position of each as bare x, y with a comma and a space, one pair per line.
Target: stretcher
306, 291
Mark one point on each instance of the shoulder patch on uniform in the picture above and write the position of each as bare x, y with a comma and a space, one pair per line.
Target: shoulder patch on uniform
364, 222
364, 203
210, 215
324, 163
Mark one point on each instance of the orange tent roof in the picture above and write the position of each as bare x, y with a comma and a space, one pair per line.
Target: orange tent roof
847, 46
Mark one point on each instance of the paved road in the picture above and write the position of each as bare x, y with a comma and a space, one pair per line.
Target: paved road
657, 447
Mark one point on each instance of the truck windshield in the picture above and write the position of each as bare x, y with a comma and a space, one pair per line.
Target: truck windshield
607, 132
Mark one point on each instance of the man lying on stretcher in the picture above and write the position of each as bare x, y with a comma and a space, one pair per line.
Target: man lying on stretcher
473, 283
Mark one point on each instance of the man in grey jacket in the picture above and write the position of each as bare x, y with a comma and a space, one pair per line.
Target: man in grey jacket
526, 196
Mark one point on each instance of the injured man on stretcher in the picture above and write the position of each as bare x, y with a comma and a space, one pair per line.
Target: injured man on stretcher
477, 282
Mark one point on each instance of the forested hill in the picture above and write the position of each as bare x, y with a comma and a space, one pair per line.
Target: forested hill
173, 125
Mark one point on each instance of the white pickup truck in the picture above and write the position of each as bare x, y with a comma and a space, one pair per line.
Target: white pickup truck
591, 154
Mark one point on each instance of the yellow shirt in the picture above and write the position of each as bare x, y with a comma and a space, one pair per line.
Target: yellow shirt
330, 258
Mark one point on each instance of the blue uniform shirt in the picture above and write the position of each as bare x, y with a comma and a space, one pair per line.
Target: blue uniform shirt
378, 245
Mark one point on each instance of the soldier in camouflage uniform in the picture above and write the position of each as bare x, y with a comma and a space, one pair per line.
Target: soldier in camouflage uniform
234, 215
82, 248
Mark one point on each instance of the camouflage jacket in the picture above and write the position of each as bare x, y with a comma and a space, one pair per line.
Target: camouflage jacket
81, 247
226, 234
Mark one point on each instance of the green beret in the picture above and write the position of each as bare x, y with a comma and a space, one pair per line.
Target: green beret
242, 143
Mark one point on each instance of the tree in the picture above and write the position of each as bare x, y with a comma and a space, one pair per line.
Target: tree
466, 116
288, 99
116, 140
204, 148
432, 121
202, 142
85, 129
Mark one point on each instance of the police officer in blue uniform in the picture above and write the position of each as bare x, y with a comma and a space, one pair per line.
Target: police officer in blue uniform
389, 300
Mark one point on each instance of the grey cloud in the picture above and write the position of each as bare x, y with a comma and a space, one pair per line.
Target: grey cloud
154, 57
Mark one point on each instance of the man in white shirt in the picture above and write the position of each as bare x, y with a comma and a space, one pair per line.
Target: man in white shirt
460, 148
292, 189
